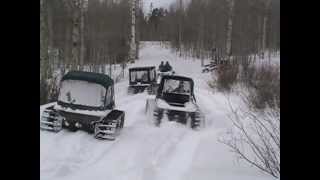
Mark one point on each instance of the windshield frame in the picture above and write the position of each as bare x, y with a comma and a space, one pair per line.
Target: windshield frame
165, 84
85, 106
140, 80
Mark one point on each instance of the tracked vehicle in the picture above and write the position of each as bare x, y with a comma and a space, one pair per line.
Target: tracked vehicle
86, 102
164, 70
161, 73
209, 67
142, 79
175, 100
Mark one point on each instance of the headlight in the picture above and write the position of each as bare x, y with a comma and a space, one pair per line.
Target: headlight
66, 123
190, 106
162, 104
78, 125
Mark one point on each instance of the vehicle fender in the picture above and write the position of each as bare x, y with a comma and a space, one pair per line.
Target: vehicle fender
114, 115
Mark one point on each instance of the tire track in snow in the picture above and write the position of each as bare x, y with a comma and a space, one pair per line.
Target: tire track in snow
82, 156
129, 104
160, 154
126, 103
214, 109
162, 141
181, 159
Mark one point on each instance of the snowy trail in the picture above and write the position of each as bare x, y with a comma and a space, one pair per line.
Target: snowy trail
145, 152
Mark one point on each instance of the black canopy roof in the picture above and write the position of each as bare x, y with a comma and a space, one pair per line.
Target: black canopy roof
97, 78
176, 77
145, 68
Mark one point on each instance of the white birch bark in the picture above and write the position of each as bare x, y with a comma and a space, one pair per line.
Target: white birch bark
133, 31
75, 8
76, 35
139, 5
83, 9
264, 28
180, 27
44, 56
201, 39
229, 29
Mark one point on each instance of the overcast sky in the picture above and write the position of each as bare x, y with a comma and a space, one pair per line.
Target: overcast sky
156, 3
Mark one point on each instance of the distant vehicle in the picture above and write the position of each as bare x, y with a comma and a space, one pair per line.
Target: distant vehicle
141, 79
209, 67
175, 99
86, 101
164, 69
160, 74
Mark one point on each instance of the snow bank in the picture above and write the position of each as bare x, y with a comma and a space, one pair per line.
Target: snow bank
143, 151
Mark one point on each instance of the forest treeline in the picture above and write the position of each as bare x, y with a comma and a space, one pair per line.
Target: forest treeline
81, 34
84, 32
200, 27
90, 34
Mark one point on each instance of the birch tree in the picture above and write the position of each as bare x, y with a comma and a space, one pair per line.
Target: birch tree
76, 7
229, 29
266, 4
139, 6
44, 57
233, 28
133, 47
180, 27
83, 9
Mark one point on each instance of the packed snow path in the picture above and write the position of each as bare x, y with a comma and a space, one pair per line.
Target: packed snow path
145, 152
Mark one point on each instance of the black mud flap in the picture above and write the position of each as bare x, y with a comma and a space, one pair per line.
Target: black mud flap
178, 116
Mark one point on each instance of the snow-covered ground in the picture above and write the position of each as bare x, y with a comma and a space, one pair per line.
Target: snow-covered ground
145, 152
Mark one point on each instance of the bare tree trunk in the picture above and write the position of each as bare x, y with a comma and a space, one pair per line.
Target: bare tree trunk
133, 47
138, 5
82, 31
264, 28
75, 8
180, 27
229, 29
50, 26
201, 39
67, 49
103, 64
76, 37
44, 56
110, 66
123, 66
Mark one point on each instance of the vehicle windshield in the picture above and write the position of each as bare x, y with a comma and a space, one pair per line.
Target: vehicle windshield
177, 86
82, 93
139, 76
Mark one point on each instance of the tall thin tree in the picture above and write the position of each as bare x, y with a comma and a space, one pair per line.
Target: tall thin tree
133, 47
265, 11
229, 29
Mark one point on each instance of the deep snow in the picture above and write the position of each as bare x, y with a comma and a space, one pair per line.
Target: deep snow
145, 152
